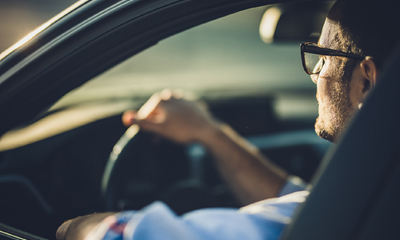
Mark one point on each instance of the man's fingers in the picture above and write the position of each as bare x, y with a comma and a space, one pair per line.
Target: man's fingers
151, 126
128, 118
149, 106
62, 230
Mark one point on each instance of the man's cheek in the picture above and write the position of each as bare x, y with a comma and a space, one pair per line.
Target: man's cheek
322, 90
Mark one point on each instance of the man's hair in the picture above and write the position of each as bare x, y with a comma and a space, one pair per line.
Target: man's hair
370, 27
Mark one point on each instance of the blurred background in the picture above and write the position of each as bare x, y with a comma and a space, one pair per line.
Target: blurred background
19, 17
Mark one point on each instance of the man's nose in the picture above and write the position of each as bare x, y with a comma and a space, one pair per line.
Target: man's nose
314, 78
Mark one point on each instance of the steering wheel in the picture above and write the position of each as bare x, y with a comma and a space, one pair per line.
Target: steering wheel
110, 181
142, 169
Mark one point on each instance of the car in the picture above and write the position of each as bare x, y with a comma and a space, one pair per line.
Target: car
63, 89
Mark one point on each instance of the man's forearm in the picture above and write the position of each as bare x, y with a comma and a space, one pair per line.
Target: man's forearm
248, 173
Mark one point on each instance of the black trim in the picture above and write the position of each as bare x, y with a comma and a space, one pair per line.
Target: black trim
7, 232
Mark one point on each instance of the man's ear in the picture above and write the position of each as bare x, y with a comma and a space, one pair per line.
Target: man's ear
369, 72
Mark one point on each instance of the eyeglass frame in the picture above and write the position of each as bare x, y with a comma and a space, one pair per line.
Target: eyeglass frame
306, 48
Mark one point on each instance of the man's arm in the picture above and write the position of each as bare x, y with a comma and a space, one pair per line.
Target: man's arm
78, 228
259, 221
249, 174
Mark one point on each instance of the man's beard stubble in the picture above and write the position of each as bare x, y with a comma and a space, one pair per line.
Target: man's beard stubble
340, 109
341, 112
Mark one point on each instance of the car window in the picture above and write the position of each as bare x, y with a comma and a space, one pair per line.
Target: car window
225, 58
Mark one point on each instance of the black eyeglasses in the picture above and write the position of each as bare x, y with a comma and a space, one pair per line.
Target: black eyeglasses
313, 60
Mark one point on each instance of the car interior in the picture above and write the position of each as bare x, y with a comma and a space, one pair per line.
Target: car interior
76, 157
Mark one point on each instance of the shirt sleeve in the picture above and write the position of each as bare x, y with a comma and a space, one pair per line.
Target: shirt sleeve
294, 184
260, 221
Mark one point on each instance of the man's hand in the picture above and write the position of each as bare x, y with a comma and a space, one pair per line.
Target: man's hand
78, 228
171, 115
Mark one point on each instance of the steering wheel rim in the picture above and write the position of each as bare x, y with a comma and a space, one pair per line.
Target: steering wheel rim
108, 181
139, 160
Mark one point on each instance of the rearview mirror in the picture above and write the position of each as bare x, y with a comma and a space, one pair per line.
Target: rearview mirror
294, 22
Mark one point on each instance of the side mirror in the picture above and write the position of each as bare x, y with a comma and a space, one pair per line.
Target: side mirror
294, 22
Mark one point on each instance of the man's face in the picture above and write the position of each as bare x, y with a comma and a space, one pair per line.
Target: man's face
334, 86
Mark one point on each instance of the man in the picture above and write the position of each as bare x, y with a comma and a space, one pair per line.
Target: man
349, 55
